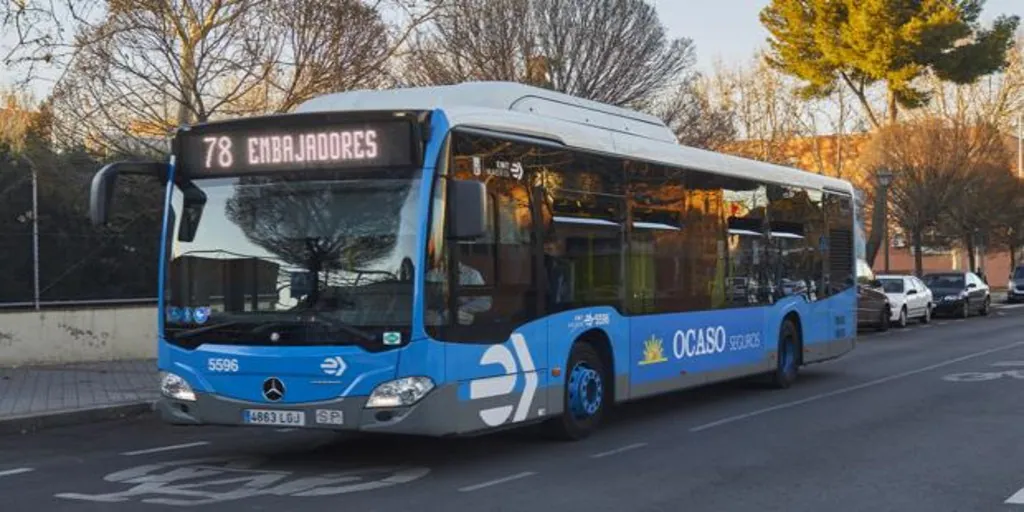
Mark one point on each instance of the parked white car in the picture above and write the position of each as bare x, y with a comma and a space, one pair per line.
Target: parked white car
910, 298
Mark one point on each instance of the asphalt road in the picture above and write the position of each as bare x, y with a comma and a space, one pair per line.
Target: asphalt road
920, 419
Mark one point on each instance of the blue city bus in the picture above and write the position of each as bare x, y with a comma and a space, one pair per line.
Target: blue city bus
461, 259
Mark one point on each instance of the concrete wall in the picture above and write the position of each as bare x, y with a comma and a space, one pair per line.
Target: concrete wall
77, 335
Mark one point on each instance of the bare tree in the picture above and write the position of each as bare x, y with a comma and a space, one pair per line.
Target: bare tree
141, 67
614, 51
980, 206
766, 111
696, 120
929, 160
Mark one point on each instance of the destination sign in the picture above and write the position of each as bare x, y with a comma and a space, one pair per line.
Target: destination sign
249, 148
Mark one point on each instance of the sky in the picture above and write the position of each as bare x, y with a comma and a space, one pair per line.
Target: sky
726, 30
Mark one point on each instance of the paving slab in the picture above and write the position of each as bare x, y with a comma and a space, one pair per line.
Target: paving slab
35, 397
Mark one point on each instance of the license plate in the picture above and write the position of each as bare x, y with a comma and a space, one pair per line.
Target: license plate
270, 417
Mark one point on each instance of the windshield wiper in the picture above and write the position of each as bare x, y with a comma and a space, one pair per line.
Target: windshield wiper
314, 317
200, 330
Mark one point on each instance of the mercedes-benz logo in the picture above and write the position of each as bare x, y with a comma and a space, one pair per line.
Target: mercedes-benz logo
273, 389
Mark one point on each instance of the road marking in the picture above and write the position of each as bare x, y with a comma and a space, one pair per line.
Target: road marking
166, 448
849, 389
941, 323
1009, 306
925, 327
285, 430
218, 480
1016, 499
618, 450
510, 478
17, 471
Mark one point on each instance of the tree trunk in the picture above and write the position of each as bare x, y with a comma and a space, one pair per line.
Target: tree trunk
893, 108
877, 229
1013, 254
971, 260
916, 234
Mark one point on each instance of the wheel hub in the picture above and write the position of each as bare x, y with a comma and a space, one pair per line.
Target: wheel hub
586, 392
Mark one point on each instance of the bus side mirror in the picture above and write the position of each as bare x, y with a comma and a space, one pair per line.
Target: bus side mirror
470, 213
101, 193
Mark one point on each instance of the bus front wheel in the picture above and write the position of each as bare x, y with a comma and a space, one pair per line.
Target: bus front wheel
788, 356
586, 395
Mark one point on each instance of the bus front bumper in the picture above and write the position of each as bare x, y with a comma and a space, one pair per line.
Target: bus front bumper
434, 415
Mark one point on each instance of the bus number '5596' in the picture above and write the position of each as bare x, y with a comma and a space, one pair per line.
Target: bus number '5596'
222, 365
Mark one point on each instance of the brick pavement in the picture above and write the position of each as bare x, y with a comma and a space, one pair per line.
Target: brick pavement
35, 396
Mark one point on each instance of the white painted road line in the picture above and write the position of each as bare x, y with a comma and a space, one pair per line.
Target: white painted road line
1016, 499
1009, 306
510, 478
845, 390
166, 448
618, 450
18, 471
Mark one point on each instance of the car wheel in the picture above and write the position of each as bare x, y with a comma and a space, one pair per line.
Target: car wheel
883, 323
985, 306
927, 314
903, 318
965, 311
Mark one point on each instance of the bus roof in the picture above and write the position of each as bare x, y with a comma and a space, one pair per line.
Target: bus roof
572, 121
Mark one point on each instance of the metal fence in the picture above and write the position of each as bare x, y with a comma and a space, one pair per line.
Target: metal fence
50, 254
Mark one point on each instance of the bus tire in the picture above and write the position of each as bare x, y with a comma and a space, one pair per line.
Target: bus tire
787, 360
586, 395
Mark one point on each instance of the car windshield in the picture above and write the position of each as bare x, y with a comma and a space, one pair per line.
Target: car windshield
892, 285
944, 281
300, 261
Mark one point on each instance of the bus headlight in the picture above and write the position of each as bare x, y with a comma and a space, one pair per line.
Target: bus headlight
400, 393
173, 386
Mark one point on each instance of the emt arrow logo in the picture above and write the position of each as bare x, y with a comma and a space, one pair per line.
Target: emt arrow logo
505, 384
333, 366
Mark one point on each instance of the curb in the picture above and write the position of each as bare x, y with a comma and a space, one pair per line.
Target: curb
26, 423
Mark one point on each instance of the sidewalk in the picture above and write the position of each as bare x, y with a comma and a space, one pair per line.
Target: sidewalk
33, 397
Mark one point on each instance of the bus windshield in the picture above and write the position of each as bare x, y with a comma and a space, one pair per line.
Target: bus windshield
324, 260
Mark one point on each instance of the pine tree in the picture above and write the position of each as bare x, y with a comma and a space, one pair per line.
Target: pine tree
859, 43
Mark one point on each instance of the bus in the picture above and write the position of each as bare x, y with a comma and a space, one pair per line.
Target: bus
461, 259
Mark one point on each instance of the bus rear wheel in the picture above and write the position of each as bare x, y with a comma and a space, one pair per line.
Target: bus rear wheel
585, 395
788, 356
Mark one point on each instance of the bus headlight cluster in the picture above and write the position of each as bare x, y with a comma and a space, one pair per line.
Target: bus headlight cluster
173, 386
400, 393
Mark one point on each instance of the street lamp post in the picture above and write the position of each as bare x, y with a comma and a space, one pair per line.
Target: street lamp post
884, 177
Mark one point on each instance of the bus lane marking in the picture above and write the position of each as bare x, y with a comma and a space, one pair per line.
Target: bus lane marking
16, 471
849, 389
166, 448
498, 481
987, 376
617, 451
217, 480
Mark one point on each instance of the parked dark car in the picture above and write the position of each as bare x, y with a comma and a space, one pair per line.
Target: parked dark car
1015, 285
959, 293
873, 306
